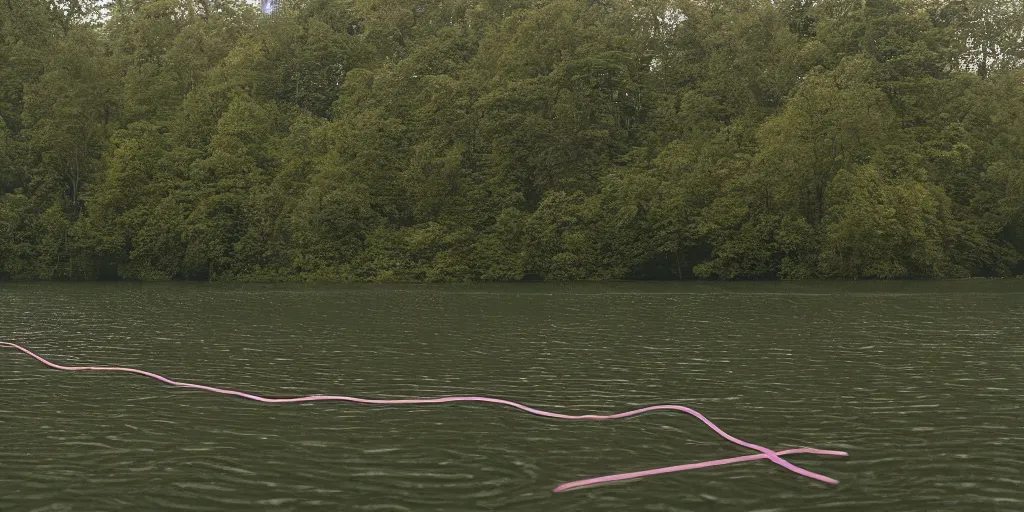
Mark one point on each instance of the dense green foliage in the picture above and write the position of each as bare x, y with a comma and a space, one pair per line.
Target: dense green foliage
460, 140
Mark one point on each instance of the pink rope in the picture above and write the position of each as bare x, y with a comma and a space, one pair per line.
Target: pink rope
765, 452
685, 467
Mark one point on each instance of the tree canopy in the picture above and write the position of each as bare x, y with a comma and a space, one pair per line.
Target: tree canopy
480, 140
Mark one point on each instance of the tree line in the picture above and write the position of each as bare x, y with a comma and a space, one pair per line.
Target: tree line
505, 140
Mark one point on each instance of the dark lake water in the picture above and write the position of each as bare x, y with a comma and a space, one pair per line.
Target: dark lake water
921, 382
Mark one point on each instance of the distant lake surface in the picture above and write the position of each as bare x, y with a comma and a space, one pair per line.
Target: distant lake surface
922, 382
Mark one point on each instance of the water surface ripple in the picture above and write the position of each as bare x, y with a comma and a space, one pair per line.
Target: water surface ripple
919, 382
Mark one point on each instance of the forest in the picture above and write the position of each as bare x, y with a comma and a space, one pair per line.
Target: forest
510, 140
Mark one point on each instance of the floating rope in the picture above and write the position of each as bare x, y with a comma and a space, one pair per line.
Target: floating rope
766, 453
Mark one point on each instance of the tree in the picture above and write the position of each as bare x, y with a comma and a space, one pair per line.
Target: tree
413, 140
